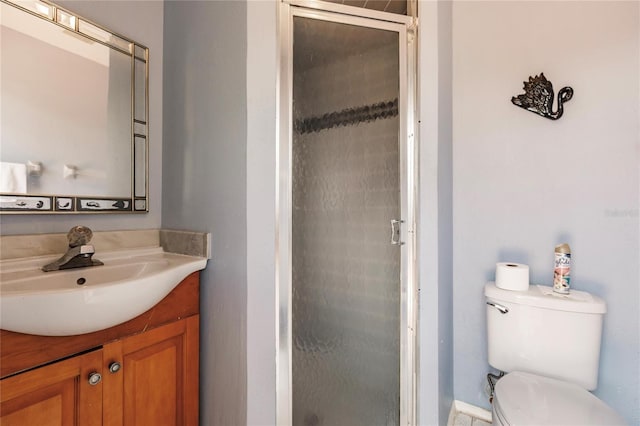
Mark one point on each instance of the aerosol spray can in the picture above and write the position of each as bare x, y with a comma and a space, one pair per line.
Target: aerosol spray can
562, 270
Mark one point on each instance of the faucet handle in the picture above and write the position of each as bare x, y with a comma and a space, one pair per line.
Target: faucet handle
79, 235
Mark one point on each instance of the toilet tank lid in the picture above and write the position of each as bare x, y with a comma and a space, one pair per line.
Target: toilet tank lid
541, 296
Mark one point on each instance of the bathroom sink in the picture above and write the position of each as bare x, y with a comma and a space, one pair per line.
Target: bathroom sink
83, 300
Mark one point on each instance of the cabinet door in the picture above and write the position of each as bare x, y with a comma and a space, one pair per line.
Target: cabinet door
158, 377
57, 394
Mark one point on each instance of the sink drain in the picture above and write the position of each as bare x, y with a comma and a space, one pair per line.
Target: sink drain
81, 281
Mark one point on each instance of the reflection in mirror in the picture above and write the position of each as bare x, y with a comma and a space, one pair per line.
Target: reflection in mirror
73, 128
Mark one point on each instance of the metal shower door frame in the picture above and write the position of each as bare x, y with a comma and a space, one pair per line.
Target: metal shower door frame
405, 26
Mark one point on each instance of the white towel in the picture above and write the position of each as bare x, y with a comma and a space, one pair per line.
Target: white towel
13, 178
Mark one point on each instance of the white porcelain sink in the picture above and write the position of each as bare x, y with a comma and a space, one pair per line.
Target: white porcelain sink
83, 300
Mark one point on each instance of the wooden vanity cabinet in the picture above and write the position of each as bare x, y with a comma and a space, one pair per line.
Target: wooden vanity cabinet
55, 395
146, 377
156, 378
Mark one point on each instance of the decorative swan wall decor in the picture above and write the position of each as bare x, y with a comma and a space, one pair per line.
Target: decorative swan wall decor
538, 97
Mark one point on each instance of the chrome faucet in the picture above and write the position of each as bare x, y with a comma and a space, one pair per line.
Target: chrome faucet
79, 254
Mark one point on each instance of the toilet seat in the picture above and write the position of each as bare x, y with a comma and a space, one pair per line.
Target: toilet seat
527, 399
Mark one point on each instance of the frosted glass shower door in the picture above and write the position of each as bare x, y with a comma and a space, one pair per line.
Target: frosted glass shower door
346, 190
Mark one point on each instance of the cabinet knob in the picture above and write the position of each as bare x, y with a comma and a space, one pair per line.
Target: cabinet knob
114, 367
94, 378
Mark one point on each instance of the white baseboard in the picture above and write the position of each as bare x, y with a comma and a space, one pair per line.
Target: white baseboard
471, 410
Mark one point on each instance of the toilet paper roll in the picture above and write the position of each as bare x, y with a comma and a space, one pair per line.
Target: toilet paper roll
512, 276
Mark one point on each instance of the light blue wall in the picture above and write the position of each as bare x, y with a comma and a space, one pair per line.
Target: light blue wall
523, 183
262, 72
435, 262
205, 180
142, 22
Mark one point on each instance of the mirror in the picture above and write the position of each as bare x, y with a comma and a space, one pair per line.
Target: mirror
73, 122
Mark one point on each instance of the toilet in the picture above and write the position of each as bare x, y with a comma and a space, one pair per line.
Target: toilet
549, 346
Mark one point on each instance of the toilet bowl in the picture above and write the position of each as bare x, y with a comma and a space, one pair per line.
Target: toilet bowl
527, 399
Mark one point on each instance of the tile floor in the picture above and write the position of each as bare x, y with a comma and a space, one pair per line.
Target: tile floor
463, 414
463, 419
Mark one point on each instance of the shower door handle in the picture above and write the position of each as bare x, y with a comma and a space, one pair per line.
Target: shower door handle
395, 232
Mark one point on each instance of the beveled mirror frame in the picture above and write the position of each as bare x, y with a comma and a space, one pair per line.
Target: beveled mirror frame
138, 202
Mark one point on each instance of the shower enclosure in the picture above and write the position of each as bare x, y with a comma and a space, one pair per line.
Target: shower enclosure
346, 171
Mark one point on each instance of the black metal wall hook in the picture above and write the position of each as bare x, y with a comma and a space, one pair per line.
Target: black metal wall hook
538, 97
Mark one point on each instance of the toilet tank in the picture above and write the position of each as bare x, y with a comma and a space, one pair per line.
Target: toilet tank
545, 333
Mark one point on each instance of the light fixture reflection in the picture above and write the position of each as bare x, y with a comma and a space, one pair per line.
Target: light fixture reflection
66, 19
43, 9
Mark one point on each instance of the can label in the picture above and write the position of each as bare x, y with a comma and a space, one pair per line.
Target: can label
562, 273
